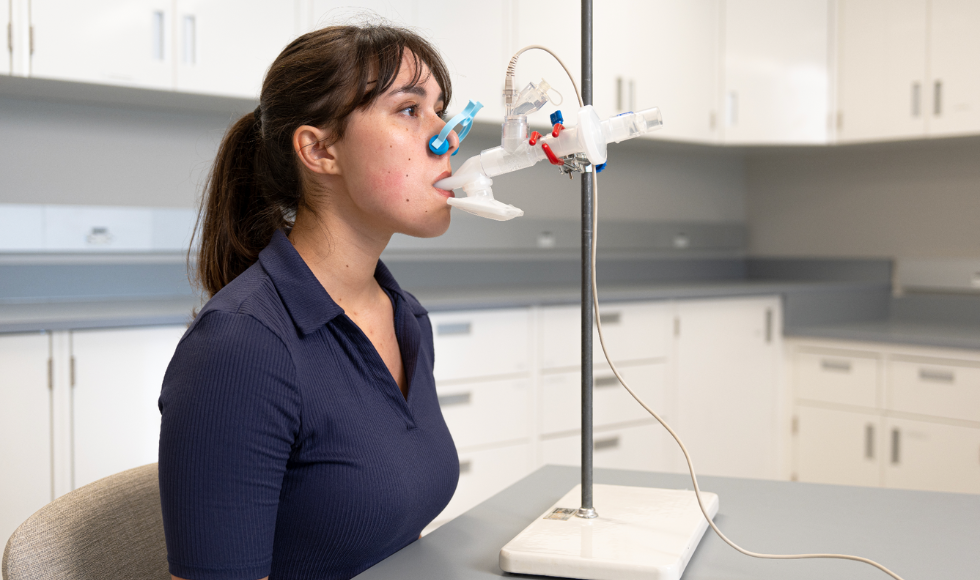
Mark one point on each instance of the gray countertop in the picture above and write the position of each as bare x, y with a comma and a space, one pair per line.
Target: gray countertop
918, 535
852, 310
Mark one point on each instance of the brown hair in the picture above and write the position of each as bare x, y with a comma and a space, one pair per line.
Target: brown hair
255, 187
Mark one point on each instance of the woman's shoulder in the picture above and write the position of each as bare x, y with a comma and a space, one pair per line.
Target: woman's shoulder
252, 298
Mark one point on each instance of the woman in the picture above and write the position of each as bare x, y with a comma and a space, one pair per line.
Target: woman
301, 434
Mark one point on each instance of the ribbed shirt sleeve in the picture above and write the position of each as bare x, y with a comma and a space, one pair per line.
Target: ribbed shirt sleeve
231, 415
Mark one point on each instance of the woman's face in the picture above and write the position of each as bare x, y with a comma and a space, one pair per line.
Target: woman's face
384, 160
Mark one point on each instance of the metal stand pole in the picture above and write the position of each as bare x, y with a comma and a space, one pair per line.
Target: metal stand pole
587, 510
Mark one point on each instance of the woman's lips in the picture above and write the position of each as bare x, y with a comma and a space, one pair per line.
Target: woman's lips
445, 192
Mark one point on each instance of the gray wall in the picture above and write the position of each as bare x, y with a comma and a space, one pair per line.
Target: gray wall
645, 181
52, 152
901, 200
60, 153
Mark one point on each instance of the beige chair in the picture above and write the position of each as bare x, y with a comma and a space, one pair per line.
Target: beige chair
108, 530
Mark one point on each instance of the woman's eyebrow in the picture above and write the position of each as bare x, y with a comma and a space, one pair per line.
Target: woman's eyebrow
416, 90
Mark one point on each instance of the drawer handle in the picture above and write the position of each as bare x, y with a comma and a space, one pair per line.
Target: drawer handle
869, 441
609, 317
937, 376
605, 381
458, 399
465, 466
841, 366
896, 449
453, 329
609, 443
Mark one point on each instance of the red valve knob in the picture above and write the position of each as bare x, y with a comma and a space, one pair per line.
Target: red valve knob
557, 129
534, 138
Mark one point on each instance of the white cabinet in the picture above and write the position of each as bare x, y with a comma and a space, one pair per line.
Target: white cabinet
474, 41
324, 13
633, 331
25, 428
7, 31
637, 447
835, 446
487, 412
121, 42
225, 47
117, 379
887, 415
776, 80
727, 365
954, 50
482, 343
558, 28
881, 66
663, 53
932, 456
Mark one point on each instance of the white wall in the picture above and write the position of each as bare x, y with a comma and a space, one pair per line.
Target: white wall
916, 199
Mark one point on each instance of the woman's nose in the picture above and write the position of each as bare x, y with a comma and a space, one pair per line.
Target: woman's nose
453, 140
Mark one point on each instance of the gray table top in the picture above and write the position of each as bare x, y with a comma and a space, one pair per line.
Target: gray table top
918, 535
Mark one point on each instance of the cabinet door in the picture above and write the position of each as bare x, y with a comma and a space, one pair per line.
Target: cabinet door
329, 12
476, 55
728, 355
776, 85
225, 47
954, 50
117, 380
881, 69
932, 456
558, 28
662, 53
838, 376
840, 447
123, 42
25, 428
6, 31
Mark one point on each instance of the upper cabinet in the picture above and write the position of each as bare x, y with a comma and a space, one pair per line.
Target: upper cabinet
954, 50
6, 30
121, 42
882, 71
474, 40
664, 54
776, 84
907, 69
741, 72
209, 60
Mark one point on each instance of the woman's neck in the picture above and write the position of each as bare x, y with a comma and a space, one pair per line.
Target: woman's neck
342, 256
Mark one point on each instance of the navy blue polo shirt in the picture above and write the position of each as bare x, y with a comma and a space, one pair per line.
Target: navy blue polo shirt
286, 447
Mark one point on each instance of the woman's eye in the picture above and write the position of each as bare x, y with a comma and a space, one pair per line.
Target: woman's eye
412, 110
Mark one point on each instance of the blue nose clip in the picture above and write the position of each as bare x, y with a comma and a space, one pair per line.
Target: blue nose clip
439, 144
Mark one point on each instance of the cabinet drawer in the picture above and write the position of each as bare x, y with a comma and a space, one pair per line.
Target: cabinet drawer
633, 331
838, 377
937, 387
638, 447
481, 343
484, 473
486, 412
931, 456
560, 397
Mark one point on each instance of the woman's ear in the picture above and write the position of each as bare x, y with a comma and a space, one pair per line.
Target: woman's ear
315, 149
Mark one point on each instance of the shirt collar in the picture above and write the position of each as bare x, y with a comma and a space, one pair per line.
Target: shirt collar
307, 302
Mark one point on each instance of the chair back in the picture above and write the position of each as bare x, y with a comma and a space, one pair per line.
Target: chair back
109, 529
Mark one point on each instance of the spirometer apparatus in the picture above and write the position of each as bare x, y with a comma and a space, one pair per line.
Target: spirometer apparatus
616, 532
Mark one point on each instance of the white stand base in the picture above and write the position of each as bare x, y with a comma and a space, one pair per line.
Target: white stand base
641, 533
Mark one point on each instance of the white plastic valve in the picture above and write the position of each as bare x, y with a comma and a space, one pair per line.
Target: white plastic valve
589, 136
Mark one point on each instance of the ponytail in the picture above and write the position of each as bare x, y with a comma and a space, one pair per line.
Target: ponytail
255, 187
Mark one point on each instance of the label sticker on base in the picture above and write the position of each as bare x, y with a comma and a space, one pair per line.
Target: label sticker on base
560, 514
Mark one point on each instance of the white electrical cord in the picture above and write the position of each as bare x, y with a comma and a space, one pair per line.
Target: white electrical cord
602, 342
